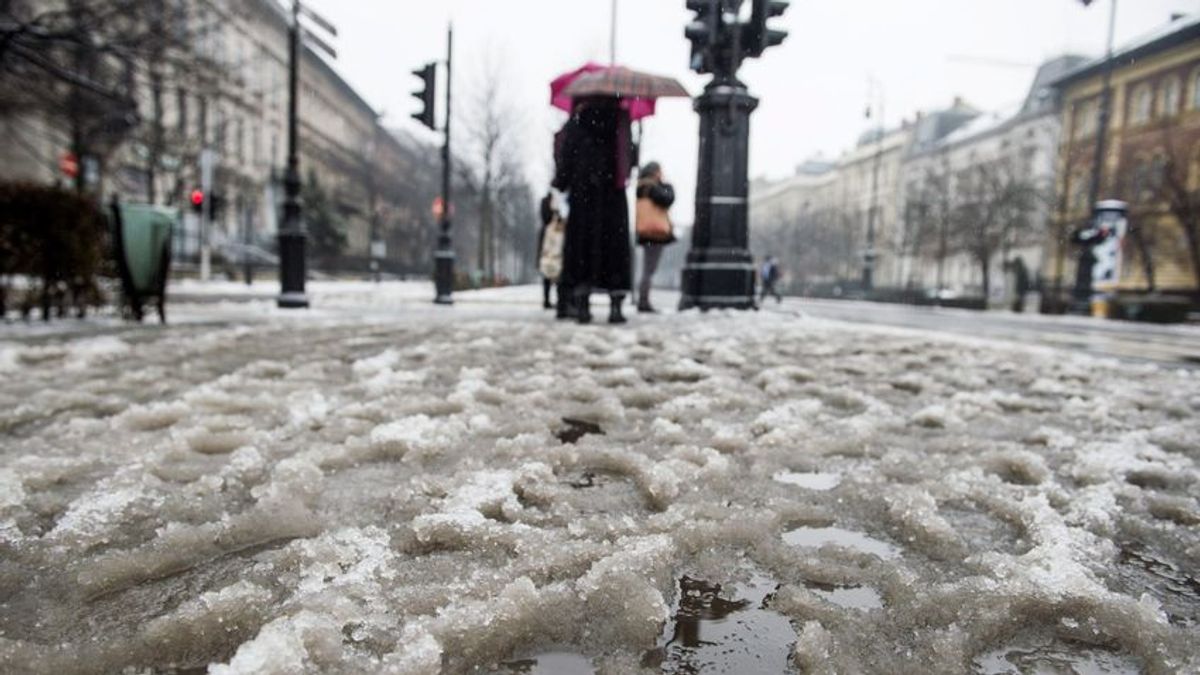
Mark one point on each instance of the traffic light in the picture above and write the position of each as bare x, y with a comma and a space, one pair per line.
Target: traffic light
760, 36
428, 95
703, 33
216, 206
197, 200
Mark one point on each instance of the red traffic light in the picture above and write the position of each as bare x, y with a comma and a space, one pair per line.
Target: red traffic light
197, 197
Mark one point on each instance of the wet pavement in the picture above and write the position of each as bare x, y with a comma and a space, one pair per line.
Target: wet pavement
385, 486
1177, 345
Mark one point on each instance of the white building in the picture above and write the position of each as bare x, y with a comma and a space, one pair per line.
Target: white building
1024, 140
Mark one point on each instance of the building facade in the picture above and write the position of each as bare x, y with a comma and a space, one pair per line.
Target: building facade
213, 114
961, 199
954, 226
1151, 158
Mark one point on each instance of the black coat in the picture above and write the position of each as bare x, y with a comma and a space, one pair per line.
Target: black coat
597, 251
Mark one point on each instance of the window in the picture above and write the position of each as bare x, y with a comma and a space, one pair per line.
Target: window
1169, 103
1085, 119
1196, 89
202, 122
1080, 188
182, 108
1142, 107
239, 147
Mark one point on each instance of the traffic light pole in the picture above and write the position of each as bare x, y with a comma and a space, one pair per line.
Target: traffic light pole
720, 270
444, 257
291, 234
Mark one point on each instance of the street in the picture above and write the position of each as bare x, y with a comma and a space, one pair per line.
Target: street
1170, 345
1166, 345
382, 485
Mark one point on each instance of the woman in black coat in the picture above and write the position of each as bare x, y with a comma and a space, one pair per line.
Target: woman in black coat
597, 252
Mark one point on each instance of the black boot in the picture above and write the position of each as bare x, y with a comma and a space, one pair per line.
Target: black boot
614, 309
583, 308
566, 303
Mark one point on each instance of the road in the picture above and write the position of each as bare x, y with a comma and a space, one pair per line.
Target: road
223, 302
1177, 345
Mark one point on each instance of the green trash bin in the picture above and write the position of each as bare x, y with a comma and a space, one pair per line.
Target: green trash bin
142, 239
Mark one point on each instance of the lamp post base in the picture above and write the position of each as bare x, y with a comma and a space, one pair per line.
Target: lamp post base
722, 281
292, 270
292, 301
443, 276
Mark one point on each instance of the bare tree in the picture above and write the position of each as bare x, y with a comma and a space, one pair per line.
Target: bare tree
493, 130
1173, 186
996, 203
1142, 186
933, 208
79, 64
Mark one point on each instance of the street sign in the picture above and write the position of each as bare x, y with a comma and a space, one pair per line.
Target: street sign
378, 249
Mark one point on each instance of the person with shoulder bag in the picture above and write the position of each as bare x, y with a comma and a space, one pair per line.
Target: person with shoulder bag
653, 224
550, 243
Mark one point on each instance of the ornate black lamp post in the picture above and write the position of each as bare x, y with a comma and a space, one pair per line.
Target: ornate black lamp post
720, 269
291, 232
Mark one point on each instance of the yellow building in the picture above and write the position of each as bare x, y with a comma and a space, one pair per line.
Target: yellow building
1151, 158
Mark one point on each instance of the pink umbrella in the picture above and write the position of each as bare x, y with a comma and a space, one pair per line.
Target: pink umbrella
637, 107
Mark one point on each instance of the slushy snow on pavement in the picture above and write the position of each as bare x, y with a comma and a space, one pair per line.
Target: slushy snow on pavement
433, 490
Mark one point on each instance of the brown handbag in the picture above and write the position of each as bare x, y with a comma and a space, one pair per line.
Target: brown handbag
652, 221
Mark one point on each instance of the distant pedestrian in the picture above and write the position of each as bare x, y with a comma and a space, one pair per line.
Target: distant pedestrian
769, 275
550, 247
653, 225
592, 169
1022, 284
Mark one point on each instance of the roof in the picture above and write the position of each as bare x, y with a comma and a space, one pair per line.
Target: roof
1038, 101
1178, 32
982, 124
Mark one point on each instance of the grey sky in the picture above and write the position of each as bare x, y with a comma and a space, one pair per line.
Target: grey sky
814, 88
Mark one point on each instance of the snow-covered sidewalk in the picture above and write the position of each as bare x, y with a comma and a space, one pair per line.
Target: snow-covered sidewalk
379, 485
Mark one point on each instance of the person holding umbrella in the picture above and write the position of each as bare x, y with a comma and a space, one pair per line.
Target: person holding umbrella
593, 158
592, 169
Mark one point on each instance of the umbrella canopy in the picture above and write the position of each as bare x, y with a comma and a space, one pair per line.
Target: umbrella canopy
638, 91
625, 83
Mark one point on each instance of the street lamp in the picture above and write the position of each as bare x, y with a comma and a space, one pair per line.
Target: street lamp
870, 255
1083, 285
720, 270
291, 233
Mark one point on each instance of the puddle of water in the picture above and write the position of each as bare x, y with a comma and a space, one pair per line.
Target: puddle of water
549, 663
816, 537
850, 597
1055, 657
577, 429
977, 528
811, 481
1141, 571
714, 634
